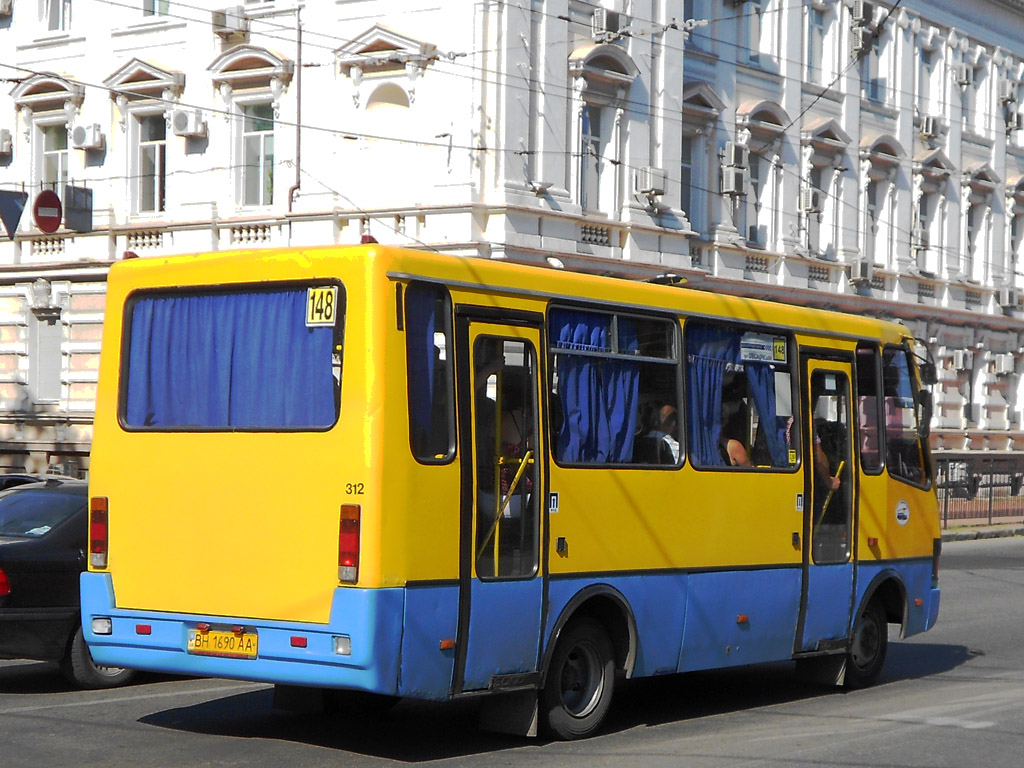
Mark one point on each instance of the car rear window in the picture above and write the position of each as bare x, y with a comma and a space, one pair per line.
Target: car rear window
35, 512
260, 359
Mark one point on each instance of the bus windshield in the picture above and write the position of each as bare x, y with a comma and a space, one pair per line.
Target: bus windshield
242, 359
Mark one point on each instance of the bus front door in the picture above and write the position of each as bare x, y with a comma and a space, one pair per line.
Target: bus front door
500, 574
829, 512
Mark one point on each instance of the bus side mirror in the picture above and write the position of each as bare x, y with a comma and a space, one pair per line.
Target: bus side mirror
924, 416
926, 370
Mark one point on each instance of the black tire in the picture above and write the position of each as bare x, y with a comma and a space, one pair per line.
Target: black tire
868, 645
580, 681
81, 670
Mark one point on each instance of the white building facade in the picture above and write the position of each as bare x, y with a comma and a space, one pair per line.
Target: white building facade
828, 152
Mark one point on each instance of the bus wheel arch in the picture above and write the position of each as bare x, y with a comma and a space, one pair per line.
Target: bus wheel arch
888, 589
607, 606
884, 603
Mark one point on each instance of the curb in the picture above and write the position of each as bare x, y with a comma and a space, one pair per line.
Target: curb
994, 532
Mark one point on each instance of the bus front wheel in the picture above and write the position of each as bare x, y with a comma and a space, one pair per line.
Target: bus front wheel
580, 681
868, 645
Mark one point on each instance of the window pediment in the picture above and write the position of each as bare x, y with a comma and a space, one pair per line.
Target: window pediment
762, 118
606, 69
47, 92
249, 67
140, 79
883, 152
933, 167
700, 99
383, 50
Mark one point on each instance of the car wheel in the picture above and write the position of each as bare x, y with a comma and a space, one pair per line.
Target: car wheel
80, 669
580, 681
868, 646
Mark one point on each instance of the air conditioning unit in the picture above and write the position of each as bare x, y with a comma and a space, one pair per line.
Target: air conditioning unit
862, 271
919, 239
650, 180
929, 127
861, 40
810, 200
230, 22
1007, 90
1007, 297
1014, 121
736, 155
862, 12
6, 7
87, 137
6, 143
1004, 364
962, 359
188, 122
734, 181
604, 25
963, 74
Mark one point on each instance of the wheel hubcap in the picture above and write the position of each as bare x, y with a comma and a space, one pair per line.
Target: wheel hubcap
582, 680
866, 642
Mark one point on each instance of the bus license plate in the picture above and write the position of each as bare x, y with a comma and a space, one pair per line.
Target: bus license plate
214, 643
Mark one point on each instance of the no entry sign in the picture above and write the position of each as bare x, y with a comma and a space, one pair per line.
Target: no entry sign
47, 211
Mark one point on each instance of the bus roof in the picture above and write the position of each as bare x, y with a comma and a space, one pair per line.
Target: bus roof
492, 276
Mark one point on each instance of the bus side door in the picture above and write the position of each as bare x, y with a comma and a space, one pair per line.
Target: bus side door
500, 575
826, 601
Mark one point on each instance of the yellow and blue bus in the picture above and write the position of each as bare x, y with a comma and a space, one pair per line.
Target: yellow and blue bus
391, 473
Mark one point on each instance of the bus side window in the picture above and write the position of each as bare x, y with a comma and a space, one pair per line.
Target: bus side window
429, 361
614, 388
868, 411
739, 398
904, 452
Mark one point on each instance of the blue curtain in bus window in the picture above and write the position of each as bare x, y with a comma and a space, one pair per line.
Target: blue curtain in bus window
235, 360
761, 378
420, 324
708, 350
599, 395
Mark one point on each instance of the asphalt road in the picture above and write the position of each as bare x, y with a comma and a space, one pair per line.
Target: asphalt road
951, 697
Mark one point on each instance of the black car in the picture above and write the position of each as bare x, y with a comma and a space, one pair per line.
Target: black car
43, 542
14, 479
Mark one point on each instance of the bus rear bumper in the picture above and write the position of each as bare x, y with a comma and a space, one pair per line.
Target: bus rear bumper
289, 653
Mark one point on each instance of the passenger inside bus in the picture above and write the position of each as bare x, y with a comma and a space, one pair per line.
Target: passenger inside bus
659, 444
735, 421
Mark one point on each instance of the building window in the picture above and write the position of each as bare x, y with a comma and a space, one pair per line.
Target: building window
815, 45
155, 7
55, 157
257, 154
686, 177
56, 14
925, 74
152, 170
592, 148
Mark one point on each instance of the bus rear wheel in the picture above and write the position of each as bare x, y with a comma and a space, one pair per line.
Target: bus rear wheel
868, 646
580, 681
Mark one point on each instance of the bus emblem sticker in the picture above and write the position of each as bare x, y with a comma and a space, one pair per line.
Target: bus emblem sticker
321, 306
902, 512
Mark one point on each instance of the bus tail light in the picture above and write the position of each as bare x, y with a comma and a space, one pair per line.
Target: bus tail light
5, 584
348, 543
98, 532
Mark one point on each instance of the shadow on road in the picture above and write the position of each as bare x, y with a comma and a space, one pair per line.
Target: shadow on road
422, 731
44, 677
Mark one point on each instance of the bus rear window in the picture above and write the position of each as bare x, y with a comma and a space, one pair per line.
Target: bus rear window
248, 359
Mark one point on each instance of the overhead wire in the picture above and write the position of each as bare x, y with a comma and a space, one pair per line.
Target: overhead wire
449, 145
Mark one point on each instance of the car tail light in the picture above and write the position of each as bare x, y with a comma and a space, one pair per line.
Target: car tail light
348, 543
98, 532
5, 585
